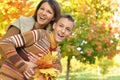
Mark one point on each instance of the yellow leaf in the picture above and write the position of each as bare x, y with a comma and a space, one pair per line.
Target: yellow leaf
51, 71
47, 60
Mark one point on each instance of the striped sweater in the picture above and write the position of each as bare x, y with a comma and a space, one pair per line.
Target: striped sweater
36, 42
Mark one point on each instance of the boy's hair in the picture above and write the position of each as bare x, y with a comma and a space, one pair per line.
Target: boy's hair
68, 16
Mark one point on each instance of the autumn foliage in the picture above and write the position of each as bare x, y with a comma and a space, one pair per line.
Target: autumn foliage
10, 10
94, 35
46, 61
45, 66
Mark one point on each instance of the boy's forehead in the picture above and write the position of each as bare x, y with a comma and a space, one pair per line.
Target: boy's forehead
62, 19
66, 22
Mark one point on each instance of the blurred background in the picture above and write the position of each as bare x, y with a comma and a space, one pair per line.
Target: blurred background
93, 52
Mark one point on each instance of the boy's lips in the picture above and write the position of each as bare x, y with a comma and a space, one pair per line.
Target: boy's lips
60, 36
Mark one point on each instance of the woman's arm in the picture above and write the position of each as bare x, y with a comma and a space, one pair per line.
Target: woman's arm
11, 31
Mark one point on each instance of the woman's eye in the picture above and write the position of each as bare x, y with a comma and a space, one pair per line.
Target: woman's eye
49, 12
41, 8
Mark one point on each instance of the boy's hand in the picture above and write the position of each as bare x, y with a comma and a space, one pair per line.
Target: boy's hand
29, 72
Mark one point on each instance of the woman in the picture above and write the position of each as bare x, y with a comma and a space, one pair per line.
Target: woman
46, 13
37, 42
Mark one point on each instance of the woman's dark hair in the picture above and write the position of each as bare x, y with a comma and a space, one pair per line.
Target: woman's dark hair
54, 5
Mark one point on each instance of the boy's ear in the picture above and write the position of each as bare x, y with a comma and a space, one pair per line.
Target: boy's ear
54, 25
71, 34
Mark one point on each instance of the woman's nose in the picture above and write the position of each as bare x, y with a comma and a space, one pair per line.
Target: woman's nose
44, 12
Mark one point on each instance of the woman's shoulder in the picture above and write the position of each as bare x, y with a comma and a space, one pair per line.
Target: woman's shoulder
24, 23
24, 18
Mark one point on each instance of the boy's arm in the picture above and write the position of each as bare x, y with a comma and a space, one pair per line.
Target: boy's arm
57, 64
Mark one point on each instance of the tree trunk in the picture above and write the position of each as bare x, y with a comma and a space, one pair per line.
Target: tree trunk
68, 68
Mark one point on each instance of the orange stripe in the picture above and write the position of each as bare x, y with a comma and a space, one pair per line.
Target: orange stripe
10, 51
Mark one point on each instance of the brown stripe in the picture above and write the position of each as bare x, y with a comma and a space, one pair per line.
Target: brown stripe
41, 48
21, 65
14, 58
9, 64
8, 76
23, 53
44, 44
12, 68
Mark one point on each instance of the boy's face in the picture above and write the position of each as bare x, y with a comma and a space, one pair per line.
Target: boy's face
62, 29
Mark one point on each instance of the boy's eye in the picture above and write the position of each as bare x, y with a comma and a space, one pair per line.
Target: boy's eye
61, 25
68, 29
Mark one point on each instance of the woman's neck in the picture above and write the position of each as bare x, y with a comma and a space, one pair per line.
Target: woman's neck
37, 26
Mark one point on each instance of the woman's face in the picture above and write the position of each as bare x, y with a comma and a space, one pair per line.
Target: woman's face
45, 14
